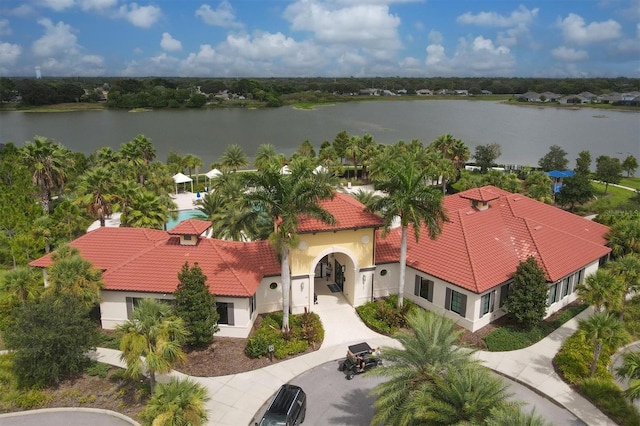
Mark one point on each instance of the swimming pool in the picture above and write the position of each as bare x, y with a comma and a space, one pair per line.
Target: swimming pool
184, 215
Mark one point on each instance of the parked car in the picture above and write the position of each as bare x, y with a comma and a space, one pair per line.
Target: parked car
288, 407
360, 357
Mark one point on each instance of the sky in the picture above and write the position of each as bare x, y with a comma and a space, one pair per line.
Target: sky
320, 38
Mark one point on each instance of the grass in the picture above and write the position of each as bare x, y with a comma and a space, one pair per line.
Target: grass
311, 105
614, 198
510, 338
631, 182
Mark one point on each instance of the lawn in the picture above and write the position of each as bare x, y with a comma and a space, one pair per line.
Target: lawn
614, 198
631, 182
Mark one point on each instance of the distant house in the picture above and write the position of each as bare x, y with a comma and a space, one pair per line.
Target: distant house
630, 99
369, 92
573, 99
424, 92
402, 92
462, 92
588, 96
529, 97
609, 98
549, 97
486, 92
386, 92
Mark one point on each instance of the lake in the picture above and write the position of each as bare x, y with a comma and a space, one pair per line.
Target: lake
525, 133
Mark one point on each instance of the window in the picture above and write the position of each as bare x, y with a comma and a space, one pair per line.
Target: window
579, 278
553, 294
455, 302
383, 272
486, 303
252, 305
225, 310
187, 237
565, 286
273, 286
132, 302
424, 288
504, 293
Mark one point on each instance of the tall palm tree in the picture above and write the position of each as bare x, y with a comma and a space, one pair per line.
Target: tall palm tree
428, 350
284, 198
138, 154
234, 158
125, 193
180, 402
627, 268
410, 199
193, 162
50, 163
265, 153
467, 394
74, 276
353, 149
601, 289
602, 329
105, 156
151, 340
96, 193
147, 211
630, 369
20, 285
624, 237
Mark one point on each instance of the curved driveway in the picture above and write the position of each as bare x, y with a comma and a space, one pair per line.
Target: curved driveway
66, 417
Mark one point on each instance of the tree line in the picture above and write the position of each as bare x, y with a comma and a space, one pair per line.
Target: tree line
174, 92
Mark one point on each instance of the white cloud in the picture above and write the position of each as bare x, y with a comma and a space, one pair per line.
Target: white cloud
98, 5
5, 28
479, 57
361, 25
575, 30
58, 5
58, 38
569, 54
9, 54
520, 16
435, 37
169, 43
222, 16
59, 53
140, 16
21, 11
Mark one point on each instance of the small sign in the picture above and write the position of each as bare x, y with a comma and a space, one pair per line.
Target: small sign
271, 348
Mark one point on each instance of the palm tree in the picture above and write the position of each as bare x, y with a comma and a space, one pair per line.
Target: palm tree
105, 156
284, 198
233, 158
177, 403
49, 162
96, 193
138, 154
147, 211
428, 351
514, 416
72, 275
538, 187
265, 153
600, 289
367, 198
624, 237
354, 149
151, 340
193, 162
630, 369
602, 329
627, 268
126, 192
20, 285
462, 395
410, 199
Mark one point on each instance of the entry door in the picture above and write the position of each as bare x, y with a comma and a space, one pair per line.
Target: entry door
339, 275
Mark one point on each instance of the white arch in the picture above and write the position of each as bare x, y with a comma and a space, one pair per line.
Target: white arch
329, 251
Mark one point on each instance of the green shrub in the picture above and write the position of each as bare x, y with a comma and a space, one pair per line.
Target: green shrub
106, 340
257, 345
384, 316
97, 369
608, 396
304, 330
118, 376
632, 317
30, 399
284, 348
573, 361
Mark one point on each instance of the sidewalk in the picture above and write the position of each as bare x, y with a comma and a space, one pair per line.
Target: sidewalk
236, 398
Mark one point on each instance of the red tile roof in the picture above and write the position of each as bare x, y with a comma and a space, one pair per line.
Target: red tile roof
478, 250
190, 227
135, 259
348, 212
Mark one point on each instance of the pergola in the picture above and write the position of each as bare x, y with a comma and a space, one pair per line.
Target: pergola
181, 178
212, 174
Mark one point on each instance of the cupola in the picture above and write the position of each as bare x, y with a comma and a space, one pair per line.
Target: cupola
190, 230
479, 198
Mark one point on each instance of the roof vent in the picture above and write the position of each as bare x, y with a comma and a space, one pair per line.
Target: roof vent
537, 228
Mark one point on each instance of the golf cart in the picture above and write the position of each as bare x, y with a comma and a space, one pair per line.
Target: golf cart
360, 358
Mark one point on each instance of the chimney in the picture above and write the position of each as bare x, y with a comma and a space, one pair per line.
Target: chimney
479, 198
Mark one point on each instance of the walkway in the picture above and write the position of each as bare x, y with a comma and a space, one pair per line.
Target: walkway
236, 398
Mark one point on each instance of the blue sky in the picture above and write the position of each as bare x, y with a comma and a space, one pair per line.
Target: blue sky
328, 38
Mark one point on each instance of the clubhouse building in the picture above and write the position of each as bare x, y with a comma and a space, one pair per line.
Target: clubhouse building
464, 274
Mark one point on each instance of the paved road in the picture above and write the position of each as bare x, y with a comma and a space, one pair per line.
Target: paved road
66, 417
333, 400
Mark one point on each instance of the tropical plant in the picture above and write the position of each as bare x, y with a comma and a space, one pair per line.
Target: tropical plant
265, 153
624, 237
284, 198
73, 276
234, 158
602, 329
598, 288
138, 154
627, 268
49, 339
196, 305
181, 402
353, 149
528, 293
538, 186
193, 162
50, 163
20, 286
151, 340
514, 416
468, 394
428, 351
96, 193
147, 211
630, 370
410, 199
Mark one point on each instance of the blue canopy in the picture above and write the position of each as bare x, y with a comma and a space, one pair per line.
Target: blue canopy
557, 174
